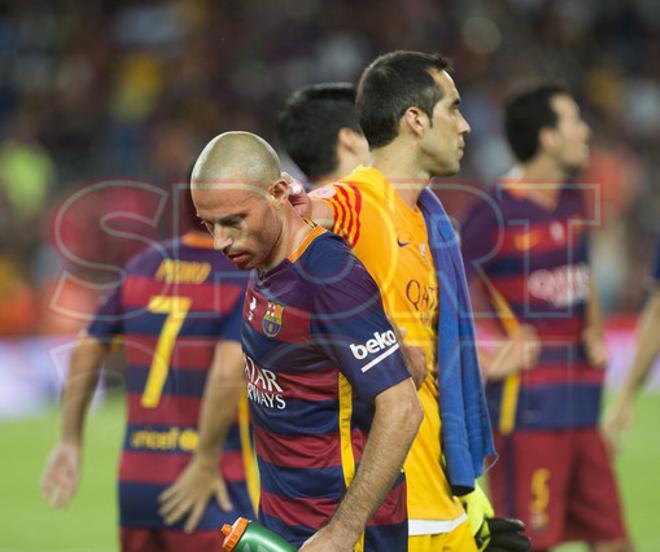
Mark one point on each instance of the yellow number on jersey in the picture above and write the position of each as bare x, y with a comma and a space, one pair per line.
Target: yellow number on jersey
540, 490
176, 309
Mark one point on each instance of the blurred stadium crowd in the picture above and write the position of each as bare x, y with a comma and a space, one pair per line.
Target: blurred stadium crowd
114, 91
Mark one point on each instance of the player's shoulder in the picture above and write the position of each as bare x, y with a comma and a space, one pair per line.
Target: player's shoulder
148, 258
362, 180
334, 279
202, 251
325, 251
574, 197
484, 207
365, 181
329, 261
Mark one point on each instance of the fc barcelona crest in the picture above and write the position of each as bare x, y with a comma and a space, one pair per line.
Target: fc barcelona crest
272, 323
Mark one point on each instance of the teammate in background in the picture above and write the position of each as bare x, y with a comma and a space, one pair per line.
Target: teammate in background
526, 246
648, 349
178, 312
409, 110
332, 403
319, 129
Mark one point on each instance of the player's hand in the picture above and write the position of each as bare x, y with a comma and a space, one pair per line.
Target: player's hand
493, 533
617, 419
191, 492
595, 347
502, 535
477, 507
327, 539
415, 357
416, 363
520, 353
298, 197
60, 479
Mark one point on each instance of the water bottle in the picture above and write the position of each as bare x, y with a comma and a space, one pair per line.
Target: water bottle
248, 536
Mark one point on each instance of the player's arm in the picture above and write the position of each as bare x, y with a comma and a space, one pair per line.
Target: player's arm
502, 354
201, 479
593, 336
361, 343
415, 356
509, 354
62, 472
397, 417
322, 214
313, 209
648, 348
511, 347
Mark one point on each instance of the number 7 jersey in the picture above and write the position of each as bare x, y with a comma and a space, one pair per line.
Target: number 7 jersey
176, 301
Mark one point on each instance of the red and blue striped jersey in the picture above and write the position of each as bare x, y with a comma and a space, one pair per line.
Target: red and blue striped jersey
318, 349
532, 264
176, 300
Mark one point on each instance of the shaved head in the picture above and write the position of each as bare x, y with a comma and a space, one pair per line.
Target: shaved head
242, 198
236, 157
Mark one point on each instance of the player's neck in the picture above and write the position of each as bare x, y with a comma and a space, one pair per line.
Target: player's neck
541, 181
345, 166
329, 178
401, 169
293, 232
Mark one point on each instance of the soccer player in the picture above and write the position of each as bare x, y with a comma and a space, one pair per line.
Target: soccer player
332, 403
408, 107
525, 244
320, 130
648, 349
178, 312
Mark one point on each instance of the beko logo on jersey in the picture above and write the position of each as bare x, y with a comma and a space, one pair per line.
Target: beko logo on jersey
380, 341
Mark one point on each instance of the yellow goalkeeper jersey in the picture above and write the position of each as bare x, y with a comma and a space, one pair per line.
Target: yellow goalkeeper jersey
391, 240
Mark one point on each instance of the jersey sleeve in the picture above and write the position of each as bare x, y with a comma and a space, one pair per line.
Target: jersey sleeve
108, 320
345, 200
352, 329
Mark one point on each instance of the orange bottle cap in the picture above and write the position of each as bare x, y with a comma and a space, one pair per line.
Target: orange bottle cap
233, 533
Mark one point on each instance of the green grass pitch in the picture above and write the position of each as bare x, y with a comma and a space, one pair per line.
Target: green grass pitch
89, 524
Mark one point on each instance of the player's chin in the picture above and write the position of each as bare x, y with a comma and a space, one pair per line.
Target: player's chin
581, 160
448, 168
245, 265
576, 167
452, 168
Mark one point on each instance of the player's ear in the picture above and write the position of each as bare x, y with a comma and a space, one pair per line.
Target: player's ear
346, 138
279, 190
415, 121
548, 139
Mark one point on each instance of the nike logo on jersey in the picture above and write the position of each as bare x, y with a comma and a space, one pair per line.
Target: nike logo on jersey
402, 244
526, 240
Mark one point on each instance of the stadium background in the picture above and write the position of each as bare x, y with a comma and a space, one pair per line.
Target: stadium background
103, 105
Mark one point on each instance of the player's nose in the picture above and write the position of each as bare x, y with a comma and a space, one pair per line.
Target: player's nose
463, 126
221, 238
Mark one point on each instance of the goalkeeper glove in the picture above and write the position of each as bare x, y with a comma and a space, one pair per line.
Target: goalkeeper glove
502, 535
493, 534
478, 508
